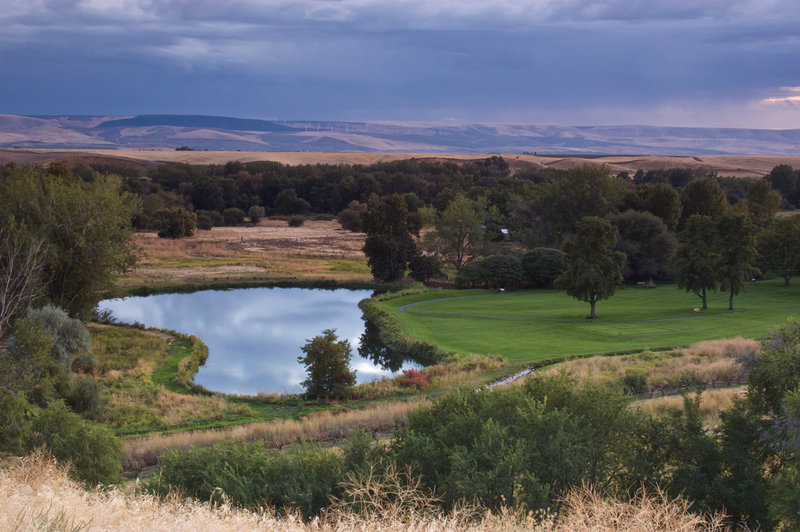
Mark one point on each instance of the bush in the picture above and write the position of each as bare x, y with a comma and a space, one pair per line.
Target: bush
70, 337
255, 213
414, 379
349, 218
233, 216
541, 266
497, 271
287, 202
296, 221
208, 219
84, 396
424, 267
635, 380
174, 223
204, 222
93, 451
251, 475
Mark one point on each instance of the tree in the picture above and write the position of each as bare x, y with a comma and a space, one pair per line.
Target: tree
594, 267
255, 213
22, 260
287, 202
586, 190
647, 244
460, 234
702, 196
175, 223
390, 229
86, 227
762, 202
695, 259
660, 199
785, 180
779, 247
736, 253
327, 362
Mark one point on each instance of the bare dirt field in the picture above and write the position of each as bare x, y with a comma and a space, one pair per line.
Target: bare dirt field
271, 250
724, 165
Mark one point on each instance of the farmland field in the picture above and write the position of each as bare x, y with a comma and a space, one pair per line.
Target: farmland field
536, 325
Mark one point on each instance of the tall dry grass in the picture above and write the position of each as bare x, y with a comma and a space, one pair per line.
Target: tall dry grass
319, 426
36, 494
712, 402
707, 361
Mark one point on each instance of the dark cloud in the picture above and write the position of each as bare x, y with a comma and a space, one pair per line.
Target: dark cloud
567, 61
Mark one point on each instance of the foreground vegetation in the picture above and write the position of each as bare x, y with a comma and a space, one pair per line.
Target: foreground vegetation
36, 494
528, 446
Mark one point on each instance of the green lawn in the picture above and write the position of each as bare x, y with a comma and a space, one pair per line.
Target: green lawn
534, 325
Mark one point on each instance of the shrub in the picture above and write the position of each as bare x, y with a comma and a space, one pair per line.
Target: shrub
414, 379
233, 216
250, 475
84, 395
349, 218
635, 380
175, 223
93, 451
424, 267
204, 222
496, 271
208, 219
256, 212
541, 266
287, 202
296, 220
70, 337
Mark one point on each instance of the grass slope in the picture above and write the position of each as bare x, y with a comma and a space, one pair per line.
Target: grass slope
535, 325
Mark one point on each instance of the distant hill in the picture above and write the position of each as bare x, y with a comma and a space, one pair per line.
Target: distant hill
168, 132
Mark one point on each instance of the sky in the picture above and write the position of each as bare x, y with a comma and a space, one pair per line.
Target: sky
705, 63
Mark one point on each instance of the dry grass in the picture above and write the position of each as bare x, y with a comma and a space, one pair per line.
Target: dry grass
712, 402
319, 426
36, 494
707, 361
319, 249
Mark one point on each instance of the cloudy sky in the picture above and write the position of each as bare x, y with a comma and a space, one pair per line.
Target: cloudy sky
732, 63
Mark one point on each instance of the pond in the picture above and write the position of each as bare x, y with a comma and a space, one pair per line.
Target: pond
254, 335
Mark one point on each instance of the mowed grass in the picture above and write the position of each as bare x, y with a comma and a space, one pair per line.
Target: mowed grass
535, 325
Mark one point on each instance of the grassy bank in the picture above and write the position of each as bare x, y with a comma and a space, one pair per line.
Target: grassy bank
535, 325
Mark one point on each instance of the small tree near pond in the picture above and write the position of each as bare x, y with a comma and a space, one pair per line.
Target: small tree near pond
327, 362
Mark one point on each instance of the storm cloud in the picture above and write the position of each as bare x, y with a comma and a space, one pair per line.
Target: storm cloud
568, 62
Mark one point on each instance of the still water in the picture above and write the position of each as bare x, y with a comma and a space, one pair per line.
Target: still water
254, 335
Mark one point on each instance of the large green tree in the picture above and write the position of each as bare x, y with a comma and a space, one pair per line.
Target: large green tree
582, 191
327, 362
779, 247
390, 230
594, 266
647, 243
762, 202
696, 257
702, 196
86, 227
460, 234
736, 253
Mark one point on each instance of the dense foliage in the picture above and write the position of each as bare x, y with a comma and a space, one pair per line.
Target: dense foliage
528, 445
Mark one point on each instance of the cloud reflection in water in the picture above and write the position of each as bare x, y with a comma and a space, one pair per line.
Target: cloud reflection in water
254, 335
